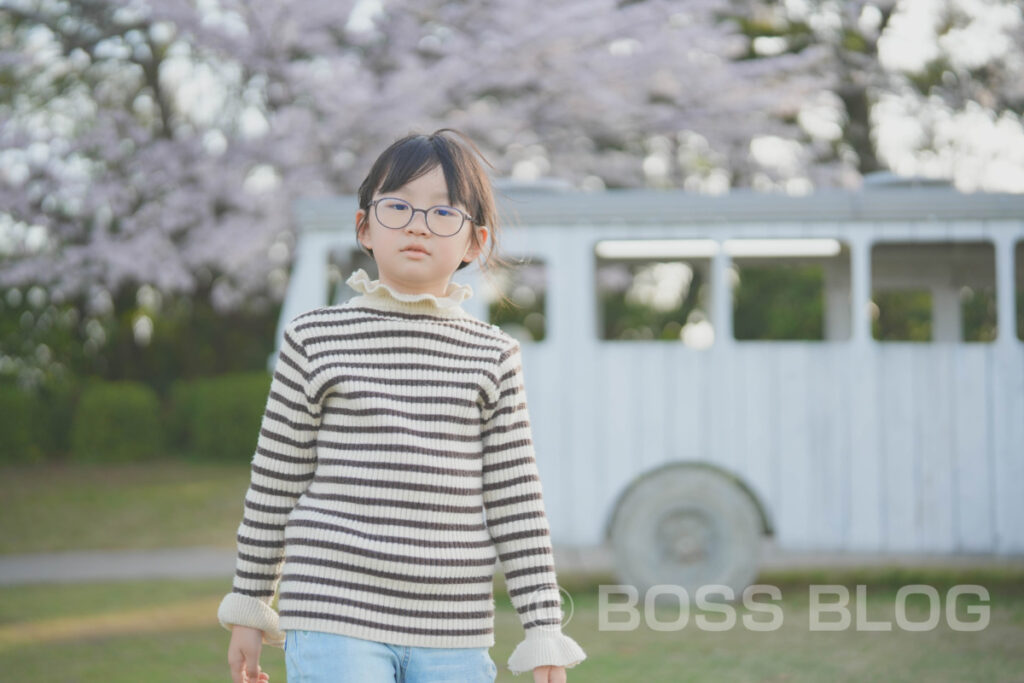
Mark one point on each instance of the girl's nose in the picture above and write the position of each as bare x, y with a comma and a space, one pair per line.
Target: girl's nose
419, 222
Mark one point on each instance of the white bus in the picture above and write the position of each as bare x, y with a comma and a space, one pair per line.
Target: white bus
842, 371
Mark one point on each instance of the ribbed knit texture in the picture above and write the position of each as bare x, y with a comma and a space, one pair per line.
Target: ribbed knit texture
393, 467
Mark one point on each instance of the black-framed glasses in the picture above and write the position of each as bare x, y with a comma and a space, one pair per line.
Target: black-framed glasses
395, 213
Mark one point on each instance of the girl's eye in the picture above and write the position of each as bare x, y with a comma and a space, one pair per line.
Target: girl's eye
443, 212
397, 205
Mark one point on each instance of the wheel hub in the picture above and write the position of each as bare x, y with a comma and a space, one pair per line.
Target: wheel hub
684, 537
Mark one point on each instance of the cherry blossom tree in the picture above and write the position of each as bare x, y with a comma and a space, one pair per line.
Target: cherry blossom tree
162, 143
957, 110
921, 87
121, 167
154, 148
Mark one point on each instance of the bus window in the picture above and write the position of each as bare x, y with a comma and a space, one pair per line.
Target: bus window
790, 289
655, 290
526, 285
341, 262
933, 291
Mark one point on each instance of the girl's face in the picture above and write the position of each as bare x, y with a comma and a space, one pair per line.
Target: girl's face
412, 271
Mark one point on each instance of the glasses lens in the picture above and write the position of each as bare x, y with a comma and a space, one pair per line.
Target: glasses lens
444, 220
393, 213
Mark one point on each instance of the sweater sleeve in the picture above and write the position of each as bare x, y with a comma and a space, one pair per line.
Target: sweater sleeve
518, 524
282, 468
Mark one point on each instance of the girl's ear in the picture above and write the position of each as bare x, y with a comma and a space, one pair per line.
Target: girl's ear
362, 232
476, 245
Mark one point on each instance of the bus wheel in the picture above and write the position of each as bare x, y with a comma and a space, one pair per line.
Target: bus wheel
686, 526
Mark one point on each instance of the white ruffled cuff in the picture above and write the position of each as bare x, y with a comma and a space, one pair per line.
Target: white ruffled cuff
245, 610
545, 647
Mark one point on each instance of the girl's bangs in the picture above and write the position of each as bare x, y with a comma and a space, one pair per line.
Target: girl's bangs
417, 157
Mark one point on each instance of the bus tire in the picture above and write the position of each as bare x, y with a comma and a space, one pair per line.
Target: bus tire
687, 526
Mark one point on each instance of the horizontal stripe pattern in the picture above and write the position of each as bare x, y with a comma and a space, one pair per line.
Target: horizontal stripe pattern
394, 467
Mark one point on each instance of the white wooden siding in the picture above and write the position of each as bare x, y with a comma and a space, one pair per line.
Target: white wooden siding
849, 445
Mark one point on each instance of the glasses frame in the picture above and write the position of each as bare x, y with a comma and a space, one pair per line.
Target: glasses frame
426, 217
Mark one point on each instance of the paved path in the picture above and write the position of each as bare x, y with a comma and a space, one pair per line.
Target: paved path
99, 565
206, 562
186, 563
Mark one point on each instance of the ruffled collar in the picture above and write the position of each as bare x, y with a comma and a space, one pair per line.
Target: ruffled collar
378, 294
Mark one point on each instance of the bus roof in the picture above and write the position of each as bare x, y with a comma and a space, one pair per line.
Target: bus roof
535, 206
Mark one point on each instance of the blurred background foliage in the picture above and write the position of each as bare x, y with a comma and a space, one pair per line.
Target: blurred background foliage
149, 155
191, 382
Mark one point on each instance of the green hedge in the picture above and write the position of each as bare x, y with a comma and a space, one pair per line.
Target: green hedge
18, 416
34, 426
221, 415
215, 418
117, 422
179, 414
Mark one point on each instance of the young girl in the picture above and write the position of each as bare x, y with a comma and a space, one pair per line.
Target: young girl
395, 465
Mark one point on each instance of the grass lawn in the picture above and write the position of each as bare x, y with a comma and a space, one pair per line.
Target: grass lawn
166, 631
165, 504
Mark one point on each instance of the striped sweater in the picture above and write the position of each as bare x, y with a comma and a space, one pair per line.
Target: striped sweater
394, 466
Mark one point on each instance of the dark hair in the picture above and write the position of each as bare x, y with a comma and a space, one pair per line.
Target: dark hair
468, 184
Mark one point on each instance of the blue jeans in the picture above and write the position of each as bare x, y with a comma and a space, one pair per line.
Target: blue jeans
318, 657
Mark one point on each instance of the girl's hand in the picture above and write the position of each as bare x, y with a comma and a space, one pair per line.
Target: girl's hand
549, 674
244, 655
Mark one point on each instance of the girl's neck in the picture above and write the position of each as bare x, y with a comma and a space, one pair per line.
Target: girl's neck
382, 296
